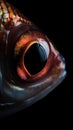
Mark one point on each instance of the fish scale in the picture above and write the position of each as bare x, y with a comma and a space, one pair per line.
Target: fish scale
9, 17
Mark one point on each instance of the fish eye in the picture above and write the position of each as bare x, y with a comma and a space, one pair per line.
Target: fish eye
33, 56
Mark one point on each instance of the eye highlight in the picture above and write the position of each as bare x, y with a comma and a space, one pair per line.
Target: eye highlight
35, 58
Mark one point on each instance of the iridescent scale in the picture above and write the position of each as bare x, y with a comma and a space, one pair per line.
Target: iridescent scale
9, 16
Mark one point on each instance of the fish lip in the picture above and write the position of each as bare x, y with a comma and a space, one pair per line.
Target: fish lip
48, 89
13, 108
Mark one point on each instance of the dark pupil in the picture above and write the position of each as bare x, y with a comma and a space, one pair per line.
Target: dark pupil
35, 58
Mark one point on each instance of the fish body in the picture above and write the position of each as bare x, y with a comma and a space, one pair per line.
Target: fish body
30, 66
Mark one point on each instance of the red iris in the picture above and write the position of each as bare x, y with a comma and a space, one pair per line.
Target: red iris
36, 56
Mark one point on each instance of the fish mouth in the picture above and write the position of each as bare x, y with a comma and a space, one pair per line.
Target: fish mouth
46, 87
12, 108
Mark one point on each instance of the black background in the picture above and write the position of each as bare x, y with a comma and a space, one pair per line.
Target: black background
54, 19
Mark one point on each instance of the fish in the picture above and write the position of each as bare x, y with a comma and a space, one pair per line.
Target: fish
30, 65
